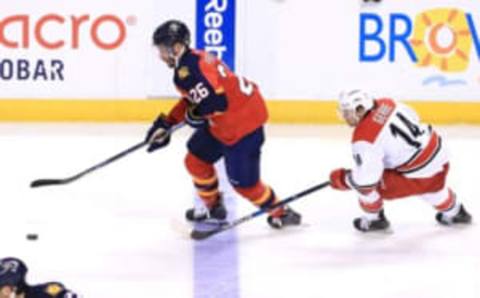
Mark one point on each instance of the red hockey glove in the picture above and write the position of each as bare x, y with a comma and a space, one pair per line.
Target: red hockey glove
338, 179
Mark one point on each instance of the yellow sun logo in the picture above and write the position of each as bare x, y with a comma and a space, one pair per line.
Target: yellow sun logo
442, 39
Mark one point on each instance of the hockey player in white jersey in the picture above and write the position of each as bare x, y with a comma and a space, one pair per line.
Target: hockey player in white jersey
395, 156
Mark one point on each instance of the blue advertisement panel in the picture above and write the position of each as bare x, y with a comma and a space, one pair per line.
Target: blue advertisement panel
216, 29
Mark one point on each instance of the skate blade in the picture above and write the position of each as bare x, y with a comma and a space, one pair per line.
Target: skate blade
376, 234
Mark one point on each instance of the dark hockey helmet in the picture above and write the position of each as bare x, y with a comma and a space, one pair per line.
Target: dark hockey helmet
171, 32
12, 272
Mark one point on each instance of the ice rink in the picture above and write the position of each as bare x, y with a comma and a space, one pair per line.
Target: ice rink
113, 234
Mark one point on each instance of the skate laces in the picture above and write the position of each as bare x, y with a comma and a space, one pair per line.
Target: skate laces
364, 223
199, 211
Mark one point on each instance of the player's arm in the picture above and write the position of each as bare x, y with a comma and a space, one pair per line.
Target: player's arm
158, 135
57, 290
207, 95
177, 113
368, 168
365, 174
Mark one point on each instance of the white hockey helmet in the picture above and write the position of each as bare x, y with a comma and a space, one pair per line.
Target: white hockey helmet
349, 102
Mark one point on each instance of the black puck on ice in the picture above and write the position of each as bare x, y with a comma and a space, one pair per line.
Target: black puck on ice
32, 237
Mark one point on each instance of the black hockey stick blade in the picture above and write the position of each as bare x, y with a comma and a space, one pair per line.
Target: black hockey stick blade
204, 234
47, 182
201, 235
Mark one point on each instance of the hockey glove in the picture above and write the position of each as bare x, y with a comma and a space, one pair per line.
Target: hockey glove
158, 136
338, 179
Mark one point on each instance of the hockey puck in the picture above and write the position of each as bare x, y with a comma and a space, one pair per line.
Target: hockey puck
32, 237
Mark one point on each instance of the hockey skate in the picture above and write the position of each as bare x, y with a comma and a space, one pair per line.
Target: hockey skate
287, 218
462, 217
217, 213
363, 224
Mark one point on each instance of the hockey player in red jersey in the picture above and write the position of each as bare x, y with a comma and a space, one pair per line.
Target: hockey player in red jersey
13, 285
395, 156
228, 113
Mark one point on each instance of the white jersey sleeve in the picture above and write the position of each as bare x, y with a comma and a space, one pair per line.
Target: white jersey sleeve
368, 168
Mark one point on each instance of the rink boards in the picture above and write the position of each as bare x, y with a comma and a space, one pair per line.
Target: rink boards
281, 111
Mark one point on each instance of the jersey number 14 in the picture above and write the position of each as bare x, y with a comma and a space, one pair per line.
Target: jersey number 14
409, 131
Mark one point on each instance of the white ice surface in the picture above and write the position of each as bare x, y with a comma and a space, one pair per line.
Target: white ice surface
110, 234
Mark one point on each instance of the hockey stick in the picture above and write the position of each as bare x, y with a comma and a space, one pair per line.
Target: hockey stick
201, 235
48, 182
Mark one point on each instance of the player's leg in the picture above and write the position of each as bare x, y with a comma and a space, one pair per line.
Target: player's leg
449, 209
373, 217
203, 152
242, 162
432, 189
393, 185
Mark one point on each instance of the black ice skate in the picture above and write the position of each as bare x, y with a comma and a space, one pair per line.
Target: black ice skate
462, 217
287, 218
365, 225
218, 212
